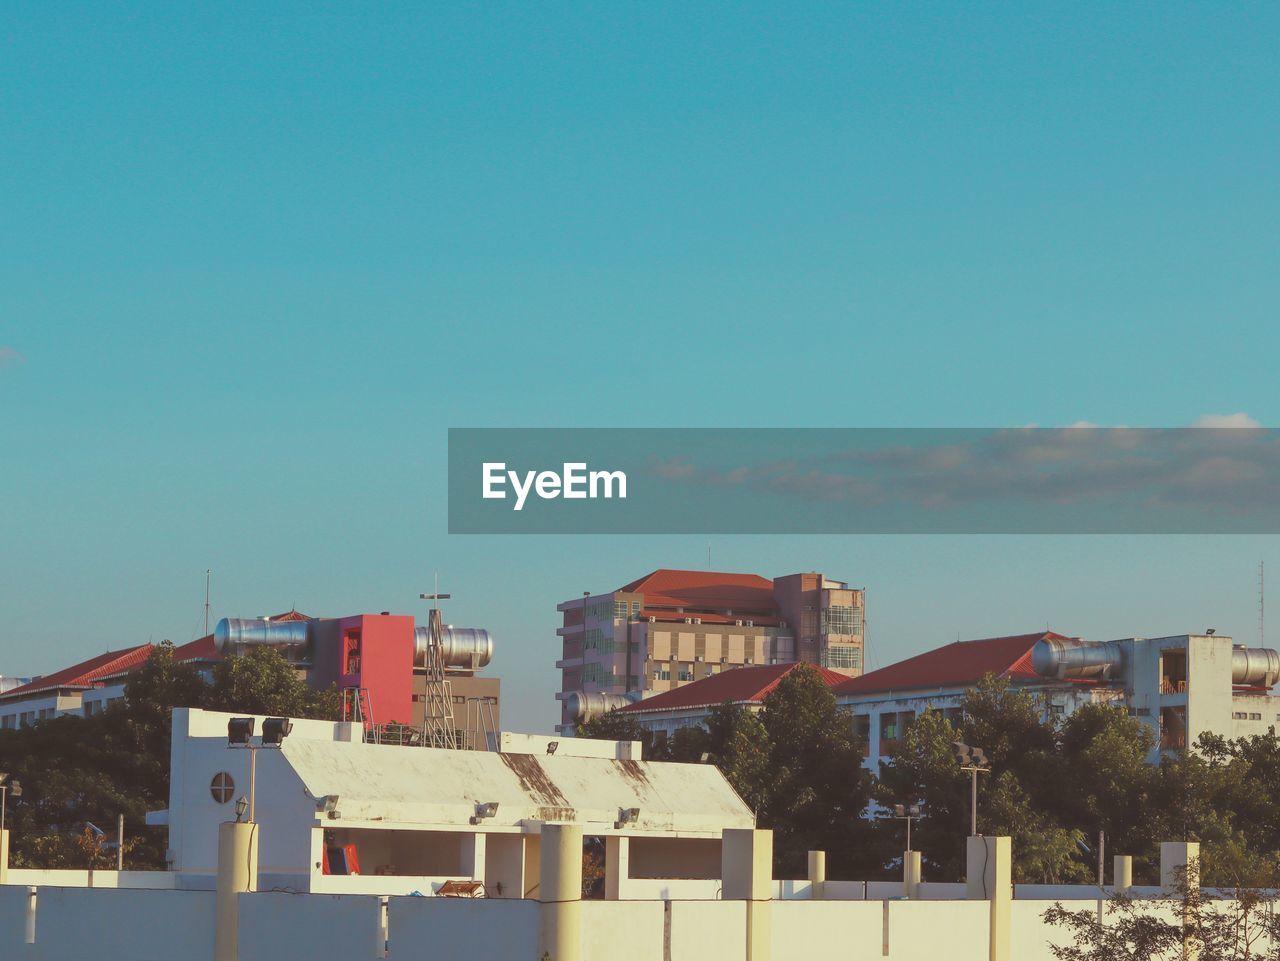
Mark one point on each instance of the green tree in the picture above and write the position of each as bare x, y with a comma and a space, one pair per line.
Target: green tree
262, 681
818, 787
620, 726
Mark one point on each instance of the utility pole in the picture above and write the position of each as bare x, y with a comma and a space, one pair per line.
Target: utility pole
974, 760
120, 844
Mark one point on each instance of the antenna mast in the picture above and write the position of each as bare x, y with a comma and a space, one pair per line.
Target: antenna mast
438, 727
208, 576
1262, 600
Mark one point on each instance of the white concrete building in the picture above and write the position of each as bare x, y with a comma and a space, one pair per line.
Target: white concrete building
1180, 686
419, 816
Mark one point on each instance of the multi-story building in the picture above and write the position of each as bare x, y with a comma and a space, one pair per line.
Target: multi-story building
689, 705
377, 659
672, 628
1179, 686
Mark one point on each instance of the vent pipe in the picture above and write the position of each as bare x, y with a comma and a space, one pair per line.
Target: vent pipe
235, 632
1074, 659
468, 648
583, 707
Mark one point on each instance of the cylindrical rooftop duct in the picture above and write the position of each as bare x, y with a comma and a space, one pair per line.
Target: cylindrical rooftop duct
583, 706
233, 632
1074, 659
468, 648
1255, 666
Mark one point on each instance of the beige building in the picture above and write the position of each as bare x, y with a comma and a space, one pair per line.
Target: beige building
672, 628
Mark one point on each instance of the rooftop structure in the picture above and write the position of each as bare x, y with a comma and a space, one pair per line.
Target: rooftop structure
422, 817
1180, 686
378, 661
689, 705
672, 627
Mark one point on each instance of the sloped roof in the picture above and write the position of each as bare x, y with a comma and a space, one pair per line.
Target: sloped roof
86, 673
95, 669
741, 684
963, 662
711, 589
419, 785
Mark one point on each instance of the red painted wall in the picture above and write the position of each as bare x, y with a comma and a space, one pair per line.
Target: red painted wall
384, 666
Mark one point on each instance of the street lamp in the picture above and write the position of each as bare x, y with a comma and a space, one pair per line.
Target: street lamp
908, 813
974, 760
240, 735
8, 787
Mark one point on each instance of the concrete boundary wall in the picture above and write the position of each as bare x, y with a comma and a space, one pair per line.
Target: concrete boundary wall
116, 924
447, 928
826, 930
622, 930
702, 930
274, 926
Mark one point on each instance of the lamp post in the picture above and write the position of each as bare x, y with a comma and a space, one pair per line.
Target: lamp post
240, 735
974, 760
7, 786
908, 813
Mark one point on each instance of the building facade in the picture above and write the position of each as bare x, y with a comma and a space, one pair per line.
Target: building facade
672, 628
1180, 686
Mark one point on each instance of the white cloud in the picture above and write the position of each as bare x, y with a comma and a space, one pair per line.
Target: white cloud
10, 357
1225, 420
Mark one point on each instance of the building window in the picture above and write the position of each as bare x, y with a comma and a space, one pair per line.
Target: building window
1057, 709
842, 656
222, 787
842, 619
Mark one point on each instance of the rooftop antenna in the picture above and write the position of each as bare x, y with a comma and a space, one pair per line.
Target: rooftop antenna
708, 557
438, 723
1262, 600
208, 576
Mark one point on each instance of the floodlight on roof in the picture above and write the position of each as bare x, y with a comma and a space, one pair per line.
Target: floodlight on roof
240, 731
484, 809
275, 730
242, 805
551, 748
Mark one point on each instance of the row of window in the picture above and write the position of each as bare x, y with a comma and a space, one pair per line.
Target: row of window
842, 619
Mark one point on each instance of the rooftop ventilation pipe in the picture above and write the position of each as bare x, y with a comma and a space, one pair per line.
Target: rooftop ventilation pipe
468, 648
1254, 666
1074, 659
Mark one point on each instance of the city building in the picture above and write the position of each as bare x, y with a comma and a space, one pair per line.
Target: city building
689, 704
1179, 686
379, 662
411, 819
671, 628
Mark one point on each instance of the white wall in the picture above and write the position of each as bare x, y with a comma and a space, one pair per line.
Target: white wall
622, 930
458, 928
703, 930
826, 930
75, 924
276, 926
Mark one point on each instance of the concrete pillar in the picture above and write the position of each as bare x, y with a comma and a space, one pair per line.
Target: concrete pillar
990, 877
1123, 871
4, 856
560, 891
617, 866
237, 873
911, 874
1175, 856
472, 856
746, 874
817, 874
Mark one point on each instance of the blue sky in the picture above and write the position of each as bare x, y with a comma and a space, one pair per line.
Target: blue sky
256, 261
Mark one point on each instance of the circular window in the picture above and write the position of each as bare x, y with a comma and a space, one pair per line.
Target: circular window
222, 787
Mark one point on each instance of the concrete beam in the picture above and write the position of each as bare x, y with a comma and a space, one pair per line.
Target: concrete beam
911, 874
1176, 857
617, 865
817, 874
1123, 871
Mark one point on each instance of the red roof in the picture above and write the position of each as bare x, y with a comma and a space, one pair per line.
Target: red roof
704, 589
751, 684
964, 662
87, 673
